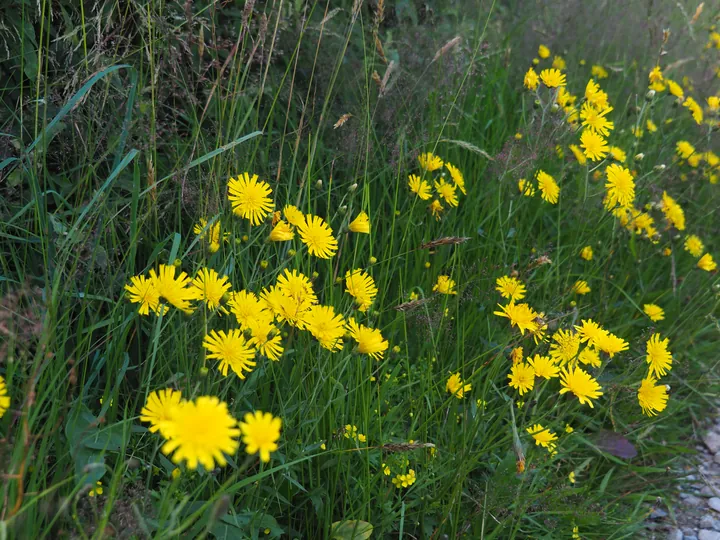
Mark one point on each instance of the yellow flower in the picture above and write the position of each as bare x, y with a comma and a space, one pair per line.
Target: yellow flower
293, 216
559, 63
245, 306
457, 177
326, 326
651, 396
695, 109
4, 397
620, 187
707, 263
599, 72
548, 187
404, 480
202, 432
589, 356
260, 433
565, 346
571, 477
568, 428
552, 78
436, 209
520, 315
654, 311
175, 290
522, 377
97, 490
675, 89
694, 245
593, 144
296, 285
587, 253
543, 52
210, 287
212, 235
282, 232
159, 408
510, 287
516, 355
673, 212
175, 473
595, 96
445, 285
612, 344
650, 126
142, 291
420, 187
456, 386
446, 191
658, 355
594, 119
361, 287
370, 340
713, 103
579, 156
544, 366
526, 188
385, 469
264, 336
543, 436
684, 149
580, 383
318, 237
590, 332
232, 350
531, 80
618, 154
581, 287
430, 162
250, 198
361, 224
655, 75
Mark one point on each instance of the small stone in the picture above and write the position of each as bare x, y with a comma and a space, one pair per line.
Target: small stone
707, 522
706, 534
658, 513
692, 500
712, 441
708, 491
675, 534
716, 458
714, 503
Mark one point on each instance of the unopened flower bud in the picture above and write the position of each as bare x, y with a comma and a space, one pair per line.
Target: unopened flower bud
373, 260
319, 184
343, 208
177, 263
203, 371
353, 187
264, 264
291, 252
650, 95
555, 107
639, 157
536, 104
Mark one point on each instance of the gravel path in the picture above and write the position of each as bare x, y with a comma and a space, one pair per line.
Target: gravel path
697, 512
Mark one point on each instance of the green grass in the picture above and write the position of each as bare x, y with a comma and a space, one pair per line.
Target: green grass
129, 137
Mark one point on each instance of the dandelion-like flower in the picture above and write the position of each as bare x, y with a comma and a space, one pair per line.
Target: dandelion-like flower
589, 356
326, 326
684, 149
445, 285
611, 344
548, 187
707, 263
594, 145
673, 212
457, 177
212, 235
420, 187
522, 377
430, 162
369, 340
579, 156
531, 80
264, 336
318, 237
250, 198
4, 397
590, 332
595, 96
544, 366
286, 308
282, 232
581, 287
361, 224
245, 306
543, 52
618, 154
210, 287
232, 350
552, 78
456, 386
695, 109
159, 408
293, 216
510, 287
520, 315
436, 209
526, 188
675, 89
446, 191
175, 290
652, 397
658, 356
296, 285
260, 433
580, 383
655, 312
142, 291
201, 432
542, 435
587, 253
595, 119
620, 187
361, 286
565, 346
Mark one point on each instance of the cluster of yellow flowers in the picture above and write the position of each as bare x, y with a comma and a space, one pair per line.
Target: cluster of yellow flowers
447, 191
4, 397
203, 432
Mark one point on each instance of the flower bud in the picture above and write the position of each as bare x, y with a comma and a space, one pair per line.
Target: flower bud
373, 260
650, 95
264, 264
319, 184
177, 263
291, 252
353, 187
639, 157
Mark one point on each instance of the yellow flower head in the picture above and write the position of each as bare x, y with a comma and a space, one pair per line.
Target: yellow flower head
4, 397
318, 237
361, 224
651, 396
516, 355
658, 355
282, 232
361, 286
673, 212
260, 433
544, 366
445, 285
543, 436
245, 306
559, 63
531, 80
594, 145
552, 78
420, 187
590, 332
293, 216
599, 72
175, 290
595, 119
651, 127
97, 490
296, 285
526, 188
286, 308
456, 386
565, 346
655, 75
684, 149
436, 209
264, 336
548, 187
232, 350
707, 263
326, 326
620, 187
595, 96
587, 253
211, 235
581, 287
580, 383
589, 357
369, 341
695, 109
611, 344
522, 377
210, 287
543, 52
142, 291
457, 177
250, 198
201, 432
520, 315
430, 162
654, 312
675, 89
159, 408
510, 287
446, 191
